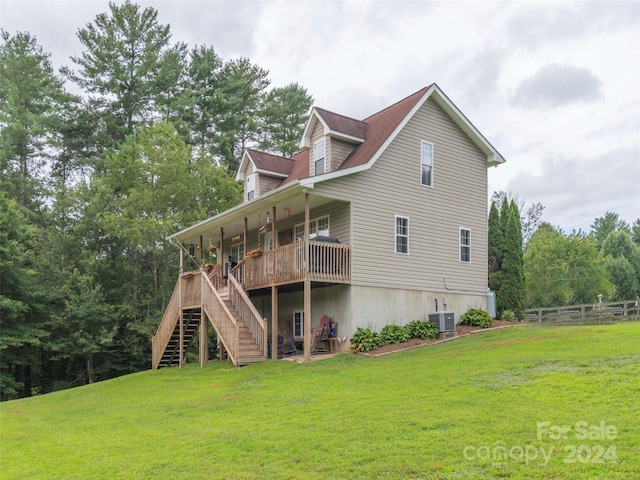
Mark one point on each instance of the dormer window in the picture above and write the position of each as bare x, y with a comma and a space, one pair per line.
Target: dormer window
251, 187
319, 157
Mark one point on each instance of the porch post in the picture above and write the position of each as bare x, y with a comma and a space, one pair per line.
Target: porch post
221, 256
274, 323
204, 340
201, 252
181, 260
181, 340
307, 284
274, 245
245, 239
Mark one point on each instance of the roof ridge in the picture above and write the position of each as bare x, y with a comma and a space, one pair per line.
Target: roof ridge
340, 115
262, 152
423, 89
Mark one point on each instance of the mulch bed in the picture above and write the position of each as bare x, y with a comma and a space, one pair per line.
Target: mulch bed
461, 330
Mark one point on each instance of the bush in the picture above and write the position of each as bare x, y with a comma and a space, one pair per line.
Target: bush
394, 334
476, 317
422, 329
365, 340
508, 315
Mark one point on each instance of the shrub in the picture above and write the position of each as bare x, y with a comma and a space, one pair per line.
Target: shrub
476, 317
422, 329
365, 340
394, 334
508, 315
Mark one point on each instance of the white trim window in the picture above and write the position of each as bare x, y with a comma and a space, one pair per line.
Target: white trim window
251, 187
319, 155
298, 325
402, 235
317, 226
237, 252
465, 245
426, 164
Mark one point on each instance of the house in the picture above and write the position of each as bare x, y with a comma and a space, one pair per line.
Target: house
403, 191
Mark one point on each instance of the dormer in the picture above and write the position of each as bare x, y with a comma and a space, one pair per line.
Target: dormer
261, 172
331, 138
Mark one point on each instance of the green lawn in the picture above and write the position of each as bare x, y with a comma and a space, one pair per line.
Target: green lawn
440, 412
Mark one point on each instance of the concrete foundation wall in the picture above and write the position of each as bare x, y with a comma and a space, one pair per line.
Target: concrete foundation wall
368, 307
375, 307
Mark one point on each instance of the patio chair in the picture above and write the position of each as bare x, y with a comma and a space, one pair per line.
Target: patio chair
320, 335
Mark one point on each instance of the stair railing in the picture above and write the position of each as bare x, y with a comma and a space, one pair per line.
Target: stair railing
221, 318
171, 316
247, 311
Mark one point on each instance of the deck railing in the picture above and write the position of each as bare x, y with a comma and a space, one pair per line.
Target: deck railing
170, 318
329, 262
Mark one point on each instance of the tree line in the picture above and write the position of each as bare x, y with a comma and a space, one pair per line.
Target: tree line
534, 264
92, 183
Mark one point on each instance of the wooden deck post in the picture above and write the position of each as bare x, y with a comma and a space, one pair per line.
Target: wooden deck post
244, 237
181, 359
204, 340
274, 323
201, 251
307, 284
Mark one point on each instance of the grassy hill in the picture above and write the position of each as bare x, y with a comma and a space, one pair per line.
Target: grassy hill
478, 407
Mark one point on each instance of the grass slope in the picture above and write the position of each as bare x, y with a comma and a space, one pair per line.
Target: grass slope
439, 412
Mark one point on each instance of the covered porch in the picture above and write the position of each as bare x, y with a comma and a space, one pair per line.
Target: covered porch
269, 244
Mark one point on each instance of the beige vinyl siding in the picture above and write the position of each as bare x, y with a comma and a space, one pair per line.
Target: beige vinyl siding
266, 183
393, 187
249, 170
339, 214
317, 134
338, 151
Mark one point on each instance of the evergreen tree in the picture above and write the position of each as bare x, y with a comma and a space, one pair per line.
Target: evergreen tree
496, 247
603, 226
283, 119
635, 232
21, 300
31, 96
128, 69
511, 295
241, 94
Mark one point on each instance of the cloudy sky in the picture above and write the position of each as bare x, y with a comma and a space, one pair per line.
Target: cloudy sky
554, 86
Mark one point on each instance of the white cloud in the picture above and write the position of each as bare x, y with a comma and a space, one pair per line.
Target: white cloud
356, 57
556, 85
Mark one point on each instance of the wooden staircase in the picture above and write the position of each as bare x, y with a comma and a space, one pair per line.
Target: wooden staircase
191, 322
249, 351
198, 297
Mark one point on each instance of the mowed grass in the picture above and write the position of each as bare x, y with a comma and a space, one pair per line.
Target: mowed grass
464, 409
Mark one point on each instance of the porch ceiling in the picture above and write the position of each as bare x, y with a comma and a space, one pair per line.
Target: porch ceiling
232, 221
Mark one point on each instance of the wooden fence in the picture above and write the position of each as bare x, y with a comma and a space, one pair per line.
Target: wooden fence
598, 313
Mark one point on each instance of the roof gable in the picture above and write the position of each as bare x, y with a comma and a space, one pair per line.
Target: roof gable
265, 163
374, 134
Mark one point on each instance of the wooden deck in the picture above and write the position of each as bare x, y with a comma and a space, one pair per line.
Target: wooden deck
204, 295
328, 262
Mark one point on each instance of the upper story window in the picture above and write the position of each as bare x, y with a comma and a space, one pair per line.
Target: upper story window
317, 226
426, 163
402, 234
465, 245
319, 154
251, 187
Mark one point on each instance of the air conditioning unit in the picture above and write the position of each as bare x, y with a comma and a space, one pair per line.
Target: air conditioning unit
445, 321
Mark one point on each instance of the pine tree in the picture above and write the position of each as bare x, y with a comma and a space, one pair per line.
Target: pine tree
496, 247
512, 288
